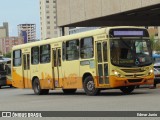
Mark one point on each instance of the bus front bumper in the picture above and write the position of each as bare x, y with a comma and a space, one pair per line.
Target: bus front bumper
118, 81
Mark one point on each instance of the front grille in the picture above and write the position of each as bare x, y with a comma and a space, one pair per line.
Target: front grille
133, 70
134, 80
137, 75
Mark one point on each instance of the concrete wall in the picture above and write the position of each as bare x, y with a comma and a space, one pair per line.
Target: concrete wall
72, 11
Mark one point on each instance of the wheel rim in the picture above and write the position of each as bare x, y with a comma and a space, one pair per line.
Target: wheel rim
90, 85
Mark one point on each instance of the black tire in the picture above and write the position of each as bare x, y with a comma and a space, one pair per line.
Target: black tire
89, 86
127, 89
69, 91
37, 88
0, 87
45, 91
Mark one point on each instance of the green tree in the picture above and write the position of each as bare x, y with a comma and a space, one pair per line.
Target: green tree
155, 44
8, 55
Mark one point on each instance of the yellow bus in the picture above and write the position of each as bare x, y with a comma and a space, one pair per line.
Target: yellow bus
106, 58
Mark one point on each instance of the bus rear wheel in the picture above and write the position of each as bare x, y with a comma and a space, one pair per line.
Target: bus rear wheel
69, 91
89, 86
37, 88
127, 89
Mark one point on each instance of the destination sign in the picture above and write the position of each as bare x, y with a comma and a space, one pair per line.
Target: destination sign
128, 32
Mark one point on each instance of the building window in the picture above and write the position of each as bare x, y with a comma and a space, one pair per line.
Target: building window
54, 1
72, 50
87, 48
48, 27
48, 22
35, 55
47, 6
47, 1
45, 54
48, 17
17, 58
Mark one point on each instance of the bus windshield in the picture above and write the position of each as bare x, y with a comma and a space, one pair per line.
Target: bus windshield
130, 52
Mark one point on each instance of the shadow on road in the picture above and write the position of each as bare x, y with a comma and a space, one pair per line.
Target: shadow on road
106, 93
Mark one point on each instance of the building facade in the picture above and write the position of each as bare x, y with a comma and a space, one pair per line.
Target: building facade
86, 13
154, 31
48, 19
7, 43
4, 30
28, 31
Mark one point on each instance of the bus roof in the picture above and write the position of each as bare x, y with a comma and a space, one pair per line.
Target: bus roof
71, 37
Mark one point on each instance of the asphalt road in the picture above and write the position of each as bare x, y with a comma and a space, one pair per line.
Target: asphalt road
142, 99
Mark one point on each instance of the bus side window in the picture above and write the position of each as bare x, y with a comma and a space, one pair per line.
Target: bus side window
105, 51
17, 58
72, 50
45, 54
55, 58
87, 48
64, 51
59, 57
35, 55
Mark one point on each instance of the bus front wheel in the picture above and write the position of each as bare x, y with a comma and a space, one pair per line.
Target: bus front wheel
89, 86
127, 89
37, 88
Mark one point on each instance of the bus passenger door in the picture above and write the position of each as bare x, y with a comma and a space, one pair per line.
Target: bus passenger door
26, 71
57, 67
102, 62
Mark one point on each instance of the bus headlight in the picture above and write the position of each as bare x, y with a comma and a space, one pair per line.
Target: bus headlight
116, 73
150, 71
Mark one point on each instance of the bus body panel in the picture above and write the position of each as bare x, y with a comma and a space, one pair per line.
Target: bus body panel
17, 77
71, 75
45, 76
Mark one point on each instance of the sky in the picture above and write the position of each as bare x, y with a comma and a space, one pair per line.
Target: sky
17, 12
